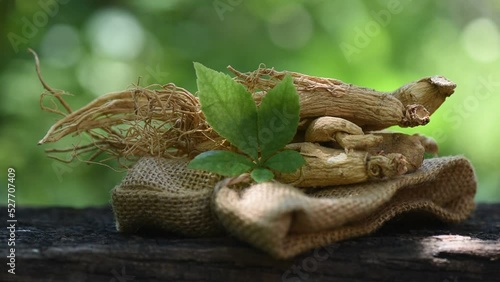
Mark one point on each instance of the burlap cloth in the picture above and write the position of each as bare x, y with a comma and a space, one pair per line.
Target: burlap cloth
282, 220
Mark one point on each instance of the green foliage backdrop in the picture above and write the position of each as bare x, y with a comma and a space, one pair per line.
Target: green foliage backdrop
89, 48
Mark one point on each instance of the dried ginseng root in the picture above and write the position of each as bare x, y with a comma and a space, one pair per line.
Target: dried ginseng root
391, 154
164, 122
328, 167
340, 131
345, 134
410, 146
409, 106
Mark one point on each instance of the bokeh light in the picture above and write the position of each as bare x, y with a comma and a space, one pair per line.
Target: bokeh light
90, 48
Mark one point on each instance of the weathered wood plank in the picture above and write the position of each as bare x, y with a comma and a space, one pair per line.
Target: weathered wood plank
65, 244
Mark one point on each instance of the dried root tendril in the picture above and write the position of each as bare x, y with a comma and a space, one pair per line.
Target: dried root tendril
164, 122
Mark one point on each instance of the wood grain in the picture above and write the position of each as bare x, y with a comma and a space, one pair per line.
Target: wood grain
66, 244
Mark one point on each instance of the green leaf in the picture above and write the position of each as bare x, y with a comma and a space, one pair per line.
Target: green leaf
285, 161
278, 117
229, 109
262, 174
222, 162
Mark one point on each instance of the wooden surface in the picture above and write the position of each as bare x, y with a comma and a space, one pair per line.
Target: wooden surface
65, 244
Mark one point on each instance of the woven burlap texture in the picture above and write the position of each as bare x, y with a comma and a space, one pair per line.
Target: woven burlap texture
163, 194
280, 219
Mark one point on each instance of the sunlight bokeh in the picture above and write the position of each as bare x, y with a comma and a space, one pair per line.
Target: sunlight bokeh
91, 48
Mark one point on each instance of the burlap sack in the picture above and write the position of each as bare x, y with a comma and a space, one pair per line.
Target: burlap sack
280, 219
163, 194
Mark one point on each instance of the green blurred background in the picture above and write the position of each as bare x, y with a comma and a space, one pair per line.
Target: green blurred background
89, 48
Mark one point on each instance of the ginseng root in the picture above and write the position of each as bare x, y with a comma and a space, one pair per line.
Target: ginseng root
340, 131
369, 109
329, 167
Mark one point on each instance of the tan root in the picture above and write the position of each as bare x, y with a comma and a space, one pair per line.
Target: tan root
369, 109
165, 122
409, 146
334, 135
329, 167
342, 132
429, 92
